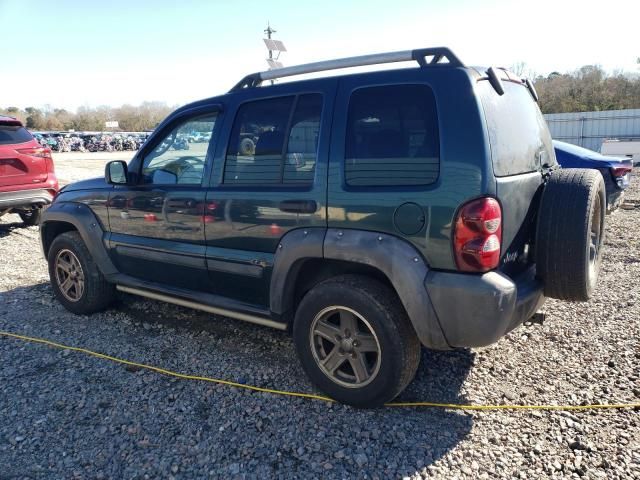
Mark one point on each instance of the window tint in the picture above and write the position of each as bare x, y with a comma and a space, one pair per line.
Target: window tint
13, 134
518, 133
271, 144
179, 158
392, 137
302, 147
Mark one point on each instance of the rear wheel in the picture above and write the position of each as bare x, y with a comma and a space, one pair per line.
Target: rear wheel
75, 278
355, 341
570, 233
32, 216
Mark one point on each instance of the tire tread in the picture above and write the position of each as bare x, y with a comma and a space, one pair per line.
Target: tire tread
564, 224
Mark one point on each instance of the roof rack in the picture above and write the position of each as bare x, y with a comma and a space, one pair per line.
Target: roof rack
431, 57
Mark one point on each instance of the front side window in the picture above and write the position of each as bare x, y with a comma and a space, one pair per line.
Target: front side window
392, 137
274, 141
180, 157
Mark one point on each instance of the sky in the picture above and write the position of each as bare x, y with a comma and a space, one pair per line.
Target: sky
70, 53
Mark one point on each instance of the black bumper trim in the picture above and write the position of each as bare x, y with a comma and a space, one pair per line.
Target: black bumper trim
476, 310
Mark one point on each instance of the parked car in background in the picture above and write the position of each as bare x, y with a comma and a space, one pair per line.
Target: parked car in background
616, 171
629, 148
27, 178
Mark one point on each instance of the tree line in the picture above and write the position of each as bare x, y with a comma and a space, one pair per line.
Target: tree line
590, 88
130, 118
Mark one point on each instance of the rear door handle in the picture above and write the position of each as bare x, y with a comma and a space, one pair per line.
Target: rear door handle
298, 206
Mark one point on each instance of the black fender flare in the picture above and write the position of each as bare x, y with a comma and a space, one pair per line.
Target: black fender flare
88, 226
396, 258
294, 248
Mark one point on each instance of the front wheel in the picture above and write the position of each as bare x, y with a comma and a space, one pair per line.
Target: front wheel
75, 278
355, 342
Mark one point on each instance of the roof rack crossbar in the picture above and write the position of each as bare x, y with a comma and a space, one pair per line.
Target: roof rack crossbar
419, 55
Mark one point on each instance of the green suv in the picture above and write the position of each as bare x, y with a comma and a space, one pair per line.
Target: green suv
365, 214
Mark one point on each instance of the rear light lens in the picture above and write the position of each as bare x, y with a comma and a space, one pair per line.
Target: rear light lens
477, 235
43, 152
620, 171
40, 152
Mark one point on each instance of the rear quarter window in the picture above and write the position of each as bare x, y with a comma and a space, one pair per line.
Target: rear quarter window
13, 134
518, 134
392, 137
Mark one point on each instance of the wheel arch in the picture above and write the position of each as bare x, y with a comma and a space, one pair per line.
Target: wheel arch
305, 257
67, 216
50, 230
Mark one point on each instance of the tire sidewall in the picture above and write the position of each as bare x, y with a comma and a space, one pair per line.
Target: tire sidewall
592, 280
330, 294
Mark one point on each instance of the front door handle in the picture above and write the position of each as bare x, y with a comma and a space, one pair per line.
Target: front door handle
298, 206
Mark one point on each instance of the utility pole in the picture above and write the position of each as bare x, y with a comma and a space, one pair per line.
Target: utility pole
273, 46
269, 31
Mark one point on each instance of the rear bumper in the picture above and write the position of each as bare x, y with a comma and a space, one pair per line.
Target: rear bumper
614, 199
476, 310
614, 188
26, 198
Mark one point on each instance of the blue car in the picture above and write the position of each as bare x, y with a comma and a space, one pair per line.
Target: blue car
616, 171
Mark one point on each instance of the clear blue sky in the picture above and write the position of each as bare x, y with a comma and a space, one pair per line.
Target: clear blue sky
68, 53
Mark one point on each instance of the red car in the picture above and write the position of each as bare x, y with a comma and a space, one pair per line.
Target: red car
27, 178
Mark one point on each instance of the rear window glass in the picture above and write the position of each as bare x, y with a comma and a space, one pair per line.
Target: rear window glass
518, 133
392, 137
13, 134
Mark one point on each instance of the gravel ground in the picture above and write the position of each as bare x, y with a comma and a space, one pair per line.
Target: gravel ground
67, 415
74, 166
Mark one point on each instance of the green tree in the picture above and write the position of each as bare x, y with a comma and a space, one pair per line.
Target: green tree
35, 118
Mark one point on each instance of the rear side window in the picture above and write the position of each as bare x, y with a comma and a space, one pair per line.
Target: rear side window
274, 141
392, 137
13, 134
518, 134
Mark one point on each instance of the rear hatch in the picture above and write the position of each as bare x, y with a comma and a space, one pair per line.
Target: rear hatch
521, 153
18, 164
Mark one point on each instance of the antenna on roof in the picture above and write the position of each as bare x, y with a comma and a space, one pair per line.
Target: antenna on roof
274, 46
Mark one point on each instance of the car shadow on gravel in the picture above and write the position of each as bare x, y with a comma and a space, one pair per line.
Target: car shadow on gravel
310, 437
7, 228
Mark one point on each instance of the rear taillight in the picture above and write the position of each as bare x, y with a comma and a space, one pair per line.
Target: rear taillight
43, 152
620, 171
40, 152
477, 235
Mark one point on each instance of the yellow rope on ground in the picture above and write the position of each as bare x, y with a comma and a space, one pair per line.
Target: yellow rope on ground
184, 376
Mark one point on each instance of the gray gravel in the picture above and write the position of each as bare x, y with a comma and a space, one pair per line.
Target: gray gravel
67, 415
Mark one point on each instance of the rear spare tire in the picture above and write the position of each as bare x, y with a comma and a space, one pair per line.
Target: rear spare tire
570, 233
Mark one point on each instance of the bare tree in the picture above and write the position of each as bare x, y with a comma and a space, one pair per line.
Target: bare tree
589, 88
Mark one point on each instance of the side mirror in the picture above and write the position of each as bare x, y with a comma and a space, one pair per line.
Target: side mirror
115, 172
